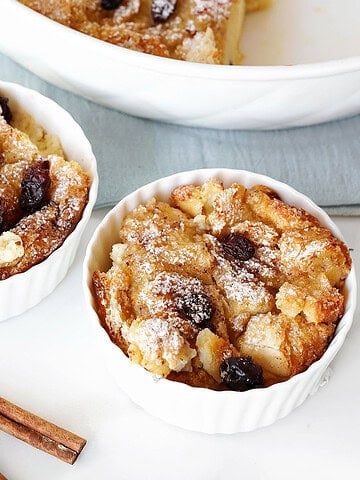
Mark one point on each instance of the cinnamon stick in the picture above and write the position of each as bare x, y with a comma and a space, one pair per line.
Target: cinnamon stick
2, 477
39, 433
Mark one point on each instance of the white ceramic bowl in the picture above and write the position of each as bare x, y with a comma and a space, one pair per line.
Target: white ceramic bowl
252, 97
201, 409
24, 290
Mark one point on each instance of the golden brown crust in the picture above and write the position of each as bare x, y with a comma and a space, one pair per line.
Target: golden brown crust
204, 31
313, 251
278, 304
317, 303
198, 377
101, 288
284, 346
268, 208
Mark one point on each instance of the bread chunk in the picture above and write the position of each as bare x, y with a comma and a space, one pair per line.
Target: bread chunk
282, 345
212, 351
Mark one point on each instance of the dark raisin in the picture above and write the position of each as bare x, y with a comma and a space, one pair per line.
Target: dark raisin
241, 374
110, 4
237, 247
162, 9
195, 307
2, 214
5, 109
35, 186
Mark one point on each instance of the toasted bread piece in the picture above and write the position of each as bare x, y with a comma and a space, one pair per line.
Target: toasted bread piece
271, 210
170, 238
158, 346
314, 251
241, 284
15, 145
318, 302
212, 351
218, 207
282, 345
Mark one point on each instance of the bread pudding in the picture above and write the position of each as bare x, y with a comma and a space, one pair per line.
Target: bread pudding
205, 31
42, 194
223, 288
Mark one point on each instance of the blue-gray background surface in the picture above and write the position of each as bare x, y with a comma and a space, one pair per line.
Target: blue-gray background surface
322, 161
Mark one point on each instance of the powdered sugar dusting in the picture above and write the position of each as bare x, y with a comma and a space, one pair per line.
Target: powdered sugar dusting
175, 284
159, 341
161, 295
159, 27
212, 9
162, 9
126, 10
44, 230
309, 250
185, 282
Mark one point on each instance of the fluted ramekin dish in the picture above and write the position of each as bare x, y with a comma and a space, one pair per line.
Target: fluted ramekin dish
20, 292
193, 94
200, 409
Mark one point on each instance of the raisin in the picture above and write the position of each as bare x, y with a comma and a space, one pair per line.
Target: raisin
162, 9
5, 109
2, 215
195, 307
241, 374
110, 4
35, 186
237, 247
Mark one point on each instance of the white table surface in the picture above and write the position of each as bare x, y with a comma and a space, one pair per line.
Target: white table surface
49, 365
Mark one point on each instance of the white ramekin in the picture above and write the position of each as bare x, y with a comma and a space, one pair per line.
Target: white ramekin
24, 290
201, 409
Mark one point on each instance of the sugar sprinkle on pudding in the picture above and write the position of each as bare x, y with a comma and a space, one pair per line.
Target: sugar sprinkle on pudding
204, 31
179, 304
42, 194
